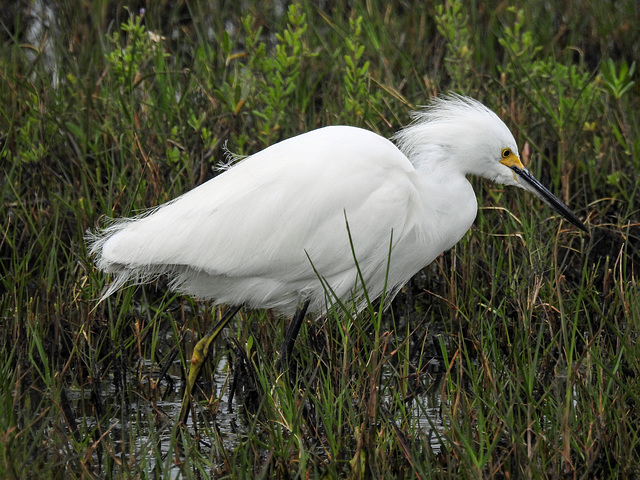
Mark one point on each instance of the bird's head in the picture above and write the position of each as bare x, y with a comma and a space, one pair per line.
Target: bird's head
461, 133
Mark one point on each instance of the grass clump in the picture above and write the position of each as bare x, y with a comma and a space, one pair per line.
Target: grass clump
513, 355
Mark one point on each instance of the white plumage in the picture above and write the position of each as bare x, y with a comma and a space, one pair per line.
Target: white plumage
254, 234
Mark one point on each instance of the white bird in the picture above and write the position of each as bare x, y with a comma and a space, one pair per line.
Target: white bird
271, 232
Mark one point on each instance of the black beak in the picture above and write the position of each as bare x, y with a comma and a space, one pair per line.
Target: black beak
535, 187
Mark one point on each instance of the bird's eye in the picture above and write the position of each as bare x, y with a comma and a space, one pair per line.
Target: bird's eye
506, 152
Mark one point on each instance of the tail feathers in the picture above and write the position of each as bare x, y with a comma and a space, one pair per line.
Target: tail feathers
117, 283
124, 274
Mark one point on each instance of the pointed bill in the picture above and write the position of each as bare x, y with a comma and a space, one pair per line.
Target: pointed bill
529, 182
539, 190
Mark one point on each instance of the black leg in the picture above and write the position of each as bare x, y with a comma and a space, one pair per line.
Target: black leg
290, 336
200, 353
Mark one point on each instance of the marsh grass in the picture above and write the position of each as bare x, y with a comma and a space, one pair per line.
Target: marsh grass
514, 355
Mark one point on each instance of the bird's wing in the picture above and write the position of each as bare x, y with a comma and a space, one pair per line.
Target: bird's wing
276, 210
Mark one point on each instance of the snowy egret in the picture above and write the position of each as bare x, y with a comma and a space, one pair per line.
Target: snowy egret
286, 225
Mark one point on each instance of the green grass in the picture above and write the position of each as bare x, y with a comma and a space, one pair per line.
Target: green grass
515, 355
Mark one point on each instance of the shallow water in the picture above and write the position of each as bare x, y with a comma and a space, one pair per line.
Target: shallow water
144, 420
